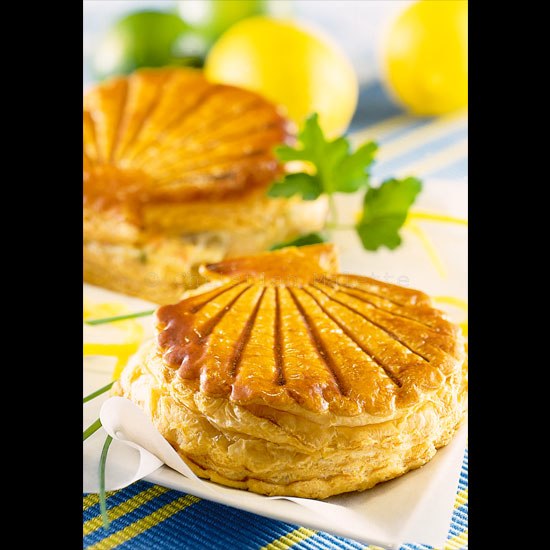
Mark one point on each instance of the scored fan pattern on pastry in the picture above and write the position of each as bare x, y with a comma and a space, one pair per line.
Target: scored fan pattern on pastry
170, 135
286, 327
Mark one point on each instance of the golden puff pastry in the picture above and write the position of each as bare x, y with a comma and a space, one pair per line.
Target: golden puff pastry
175, 175
284, 377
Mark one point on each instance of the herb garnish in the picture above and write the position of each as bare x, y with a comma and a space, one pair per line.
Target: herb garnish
331, 167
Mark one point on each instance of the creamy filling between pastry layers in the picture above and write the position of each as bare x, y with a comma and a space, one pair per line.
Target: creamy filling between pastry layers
160, 262
159, 270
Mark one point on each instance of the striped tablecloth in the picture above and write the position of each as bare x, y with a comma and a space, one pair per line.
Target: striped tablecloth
146, 516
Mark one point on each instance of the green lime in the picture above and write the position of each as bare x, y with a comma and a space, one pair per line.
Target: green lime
210, 18
147, 39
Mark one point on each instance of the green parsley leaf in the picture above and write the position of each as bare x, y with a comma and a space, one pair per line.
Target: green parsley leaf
303, 240
385, 211
309, 187
337, 170
355, 166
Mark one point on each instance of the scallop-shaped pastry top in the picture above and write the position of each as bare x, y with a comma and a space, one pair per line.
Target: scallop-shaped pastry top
169, 135
284, 329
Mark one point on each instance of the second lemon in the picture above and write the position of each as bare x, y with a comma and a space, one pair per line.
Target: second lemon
426, 56
289, 64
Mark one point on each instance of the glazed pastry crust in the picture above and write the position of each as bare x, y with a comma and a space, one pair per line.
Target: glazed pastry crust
239, 426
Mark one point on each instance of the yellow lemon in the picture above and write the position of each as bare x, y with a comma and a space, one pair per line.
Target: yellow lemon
289, 64
426, 56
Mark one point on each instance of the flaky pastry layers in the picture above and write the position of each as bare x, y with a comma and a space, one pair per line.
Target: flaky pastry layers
284, 377
175, 175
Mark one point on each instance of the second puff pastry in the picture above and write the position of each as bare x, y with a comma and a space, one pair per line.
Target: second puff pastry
176, 171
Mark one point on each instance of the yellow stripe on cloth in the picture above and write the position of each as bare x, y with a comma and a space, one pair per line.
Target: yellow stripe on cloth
290, 539
457, 542
122, 352
429, 247
125, 507
89, 501
435, 217
144, 524
110, 349
381, 129
435, 161
461, 498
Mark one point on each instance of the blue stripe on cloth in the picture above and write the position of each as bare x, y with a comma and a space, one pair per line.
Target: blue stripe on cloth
458, 169
322, 540
374, 105
459, 521
459, 518
389, 167
140, 512
211, 526
116, 498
